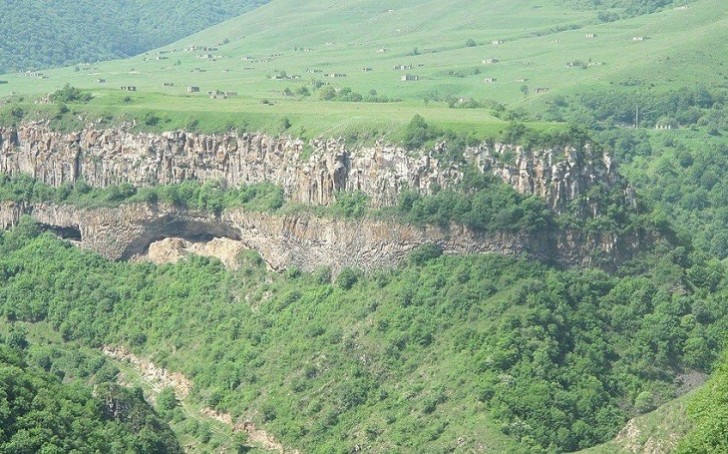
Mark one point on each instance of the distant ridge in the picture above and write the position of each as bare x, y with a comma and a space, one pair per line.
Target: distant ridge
37, 35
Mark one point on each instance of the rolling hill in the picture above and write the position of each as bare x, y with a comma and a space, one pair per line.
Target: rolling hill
274, 62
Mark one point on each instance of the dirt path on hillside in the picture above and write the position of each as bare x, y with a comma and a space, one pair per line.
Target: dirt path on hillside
159, 378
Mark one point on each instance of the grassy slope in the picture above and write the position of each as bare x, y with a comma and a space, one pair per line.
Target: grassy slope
657, 431
41, 335
680, 50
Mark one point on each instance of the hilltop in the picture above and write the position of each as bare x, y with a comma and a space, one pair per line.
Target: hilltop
272, 65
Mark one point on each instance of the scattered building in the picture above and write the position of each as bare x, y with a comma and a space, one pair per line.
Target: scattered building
367, 69
490, 61
666, 123
100, 81
382, 50
638, 38
409, 78
169, 84
129, 88
542, 90
591, 35
403, 67
217, 94
335, 75
489, 80
497, 42
200, 49
193, 89
521, 79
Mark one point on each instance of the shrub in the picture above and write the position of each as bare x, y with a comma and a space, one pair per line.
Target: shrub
347, 278
424, 254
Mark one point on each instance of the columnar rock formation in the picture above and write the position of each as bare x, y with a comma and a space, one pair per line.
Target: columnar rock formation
309, 173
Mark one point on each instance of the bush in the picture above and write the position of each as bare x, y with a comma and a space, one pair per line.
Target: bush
347, 278
424, 254
167, 400
69, 94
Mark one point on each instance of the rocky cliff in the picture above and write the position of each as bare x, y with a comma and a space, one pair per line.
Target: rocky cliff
564, 178
307, 241
103, 157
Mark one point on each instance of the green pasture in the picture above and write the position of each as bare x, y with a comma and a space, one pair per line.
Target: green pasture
304, 42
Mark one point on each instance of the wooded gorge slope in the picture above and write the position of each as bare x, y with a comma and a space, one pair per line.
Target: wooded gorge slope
38, 35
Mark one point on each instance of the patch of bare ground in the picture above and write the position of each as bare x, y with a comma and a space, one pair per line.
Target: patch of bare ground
160, 378
172, 250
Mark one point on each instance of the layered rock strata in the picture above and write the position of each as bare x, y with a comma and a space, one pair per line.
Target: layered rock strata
312, 173
307, 241
567, 178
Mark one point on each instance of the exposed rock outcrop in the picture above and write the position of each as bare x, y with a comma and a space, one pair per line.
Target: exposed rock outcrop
172, 250
566, 178
159, 378
310, 174
307, 241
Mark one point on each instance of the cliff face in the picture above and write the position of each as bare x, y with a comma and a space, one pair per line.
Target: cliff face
304, 240
562, 177
103, 157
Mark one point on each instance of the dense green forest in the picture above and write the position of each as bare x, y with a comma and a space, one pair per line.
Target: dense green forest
560, 359
38, 35
612, 10
709, 412
47, 406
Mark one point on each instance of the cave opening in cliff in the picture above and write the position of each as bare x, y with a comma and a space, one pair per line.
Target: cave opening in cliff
71, 233
190, 230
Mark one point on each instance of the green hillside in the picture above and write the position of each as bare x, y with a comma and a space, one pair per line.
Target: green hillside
473, 353
445, 44
443, 353
37, 35
46, 406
